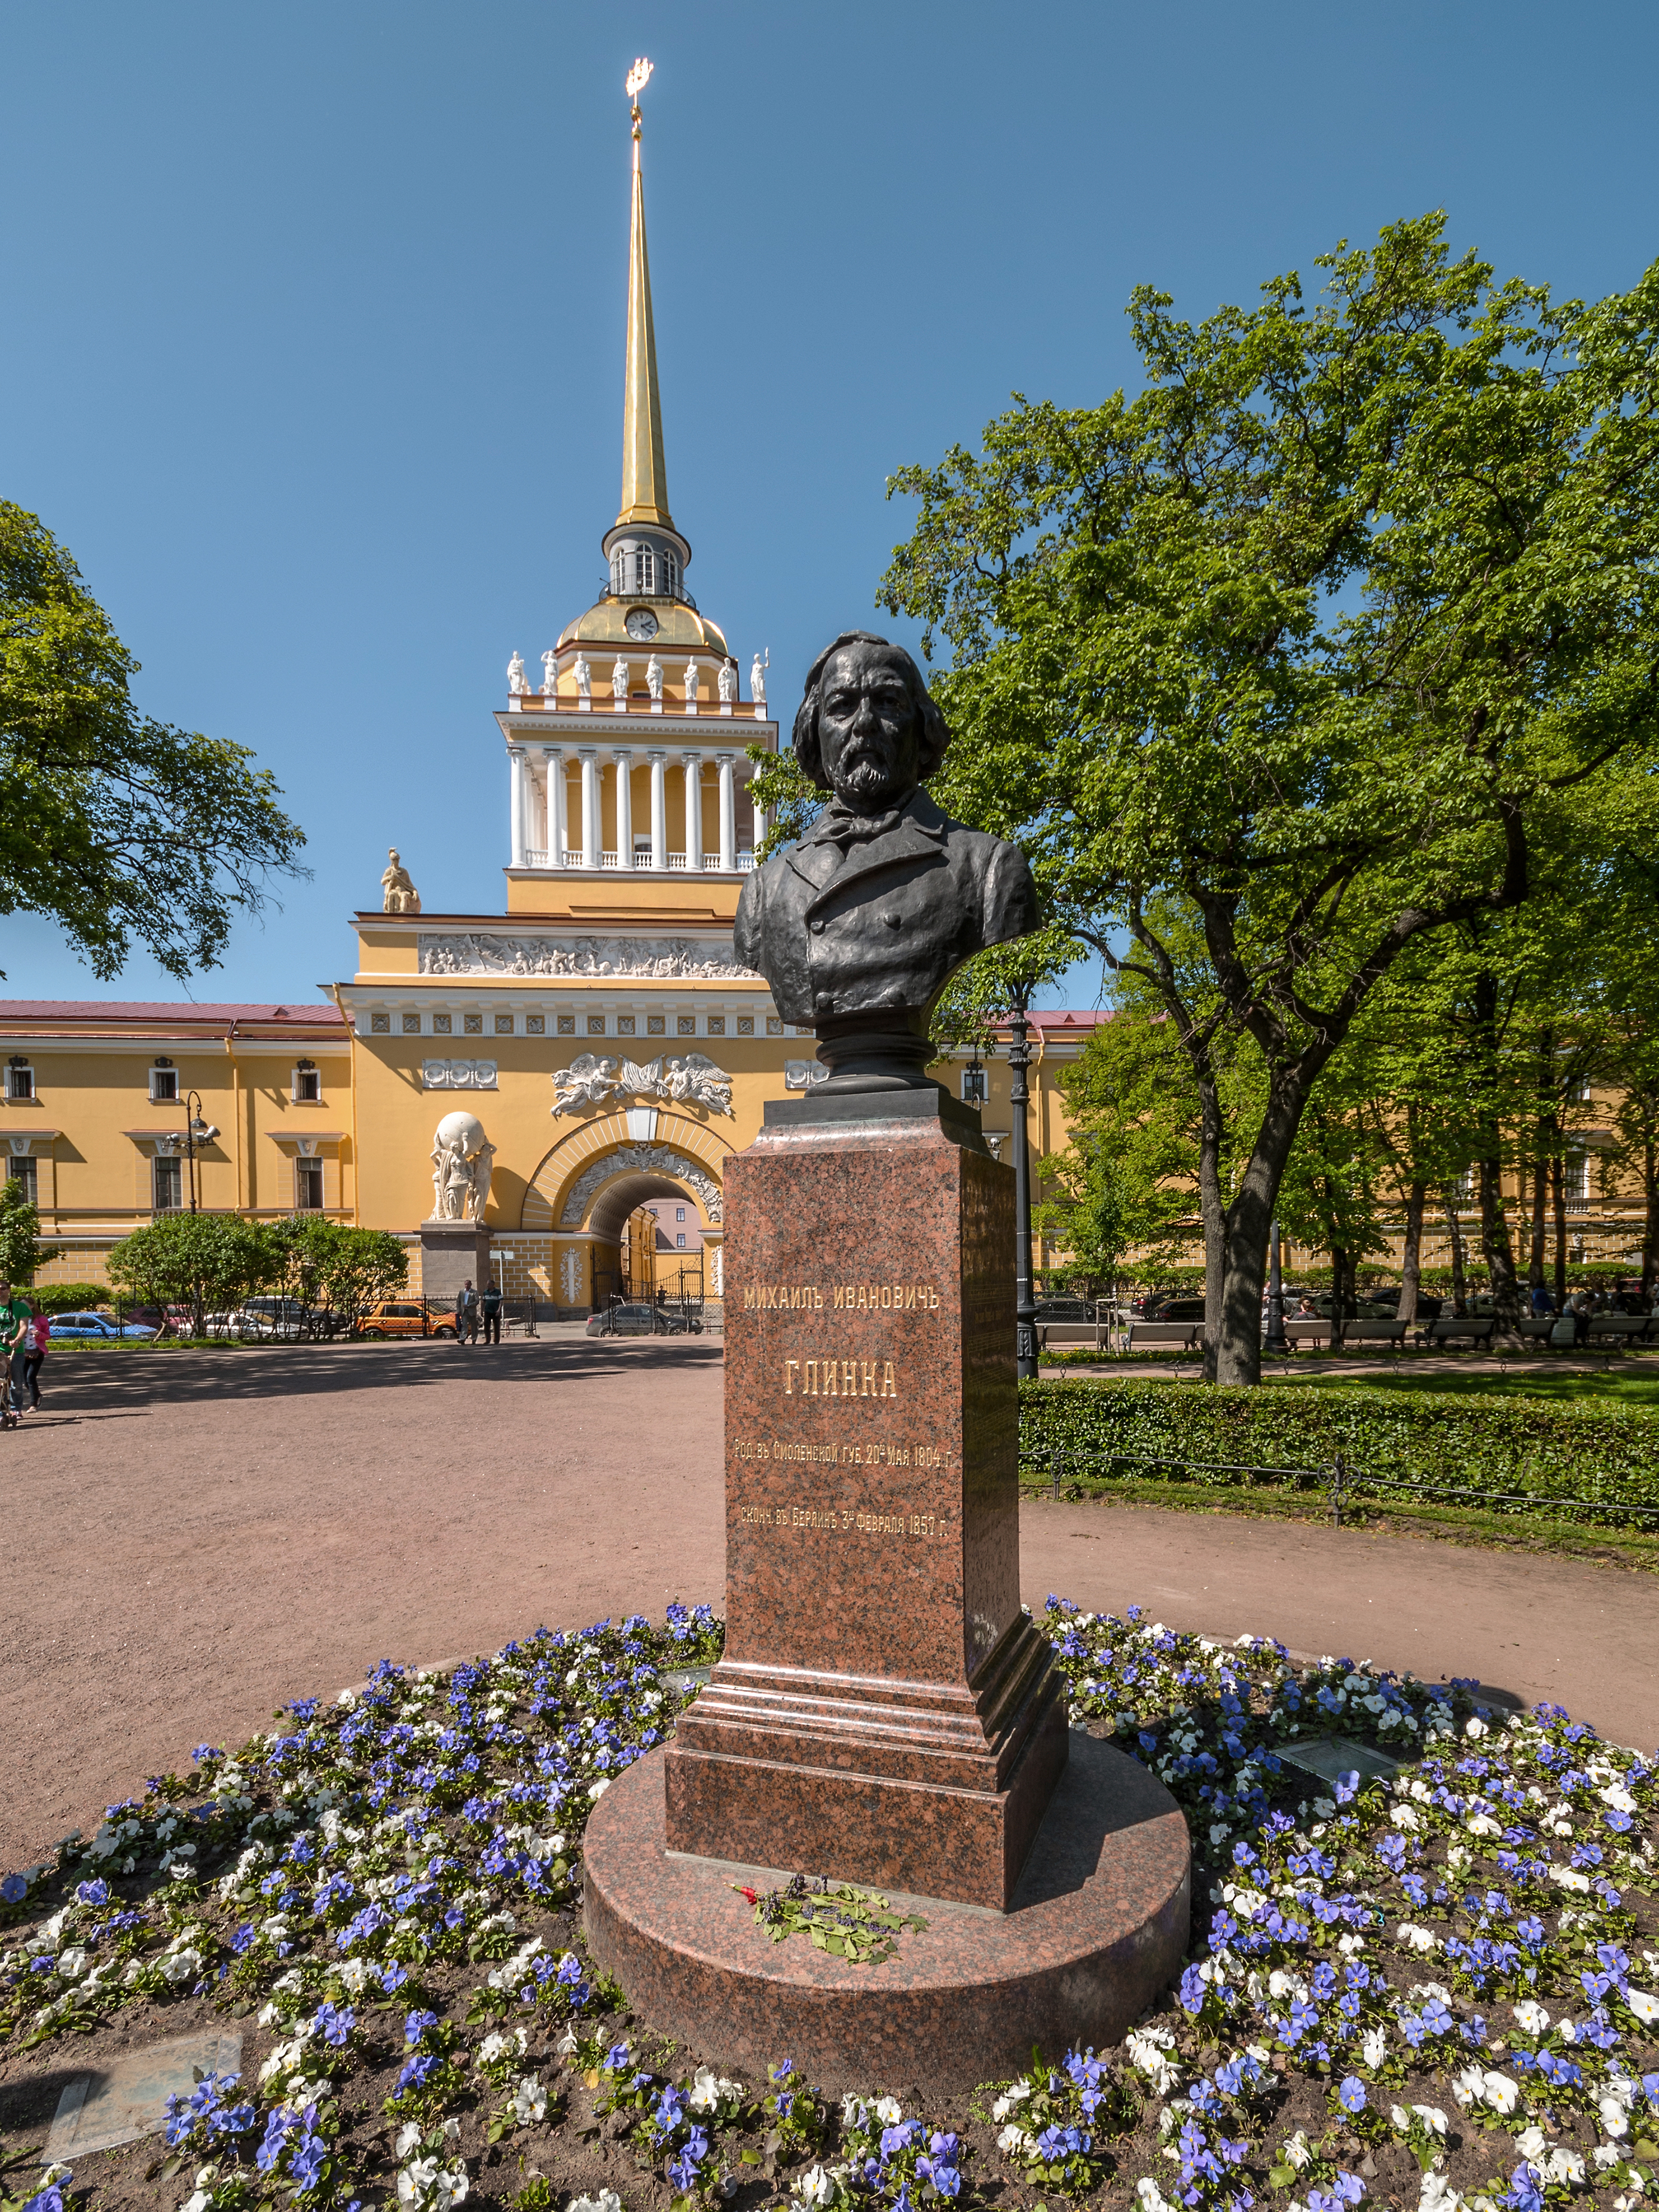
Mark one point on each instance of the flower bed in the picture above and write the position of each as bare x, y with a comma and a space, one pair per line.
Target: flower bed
1435, 1988
1600, 1456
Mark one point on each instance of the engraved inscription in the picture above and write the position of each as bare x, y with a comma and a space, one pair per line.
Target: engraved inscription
848, 1297
872, 1452
839, 1379
844, 1520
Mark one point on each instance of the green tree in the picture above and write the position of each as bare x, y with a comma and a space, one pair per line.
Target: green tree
118, 827
323, 1263
20, 1222
206, 1261
1324, 638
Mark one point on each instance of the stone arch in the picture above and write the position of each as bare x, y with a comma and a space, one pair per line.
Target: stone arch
567, 1185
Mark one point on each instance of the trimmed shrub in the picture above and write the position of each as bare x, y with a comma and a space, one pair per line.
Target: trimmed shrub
1599, 1456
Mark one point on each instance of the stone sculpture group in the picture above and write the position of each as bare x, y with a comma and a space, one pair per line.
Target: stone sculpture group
691, 1080
462, 1161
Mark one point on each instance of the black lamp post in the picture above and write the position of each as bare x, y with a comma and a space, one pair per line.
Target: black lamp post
1276, 1342
195, 1130
1019, 1059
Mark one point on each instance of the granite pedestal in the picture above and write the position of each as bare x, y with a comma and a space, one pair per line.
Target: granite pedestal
884, 1712
452, 1253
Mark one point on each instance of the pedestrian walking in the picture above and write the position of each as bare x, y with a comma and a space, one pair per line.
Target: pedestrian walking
14, 1317
36, 1337
467, 1313
491, 1305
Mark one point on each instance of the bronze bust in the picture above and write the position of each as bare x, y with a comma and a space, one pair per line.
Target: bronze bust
858, 927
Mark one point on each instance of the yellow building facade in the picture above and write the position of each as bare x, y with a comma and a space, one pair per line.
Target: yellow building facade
592, 1046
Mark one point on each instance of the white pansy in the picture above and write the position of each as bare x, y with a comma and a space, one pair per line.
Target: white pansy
198, 2201
1015, 2093
1373, 2047
529, 2100
1618, 1797
1146, 2047
1297, 2153
1532, 2142
1405, 1816
606, 2201
1613, 2117
1436, 2194
1644, 2005
1151, 2199
1482, 1824
597, 1789
409, 2136
566, 2045
1531, 2017
1499, 2091
1606, 2155
1565, 2167
889, 2111
1416, 1939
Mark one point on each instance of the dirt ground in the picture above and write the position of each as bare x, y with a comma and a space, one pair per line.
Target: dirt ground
189, 1538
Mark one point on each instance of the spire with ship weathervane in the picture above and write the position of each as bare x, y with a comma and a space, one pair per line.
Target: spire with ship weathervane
645, 472
647, 555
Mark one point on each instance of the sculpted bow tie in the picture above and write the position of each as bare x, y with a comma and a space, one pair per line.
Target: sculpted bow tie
838, 825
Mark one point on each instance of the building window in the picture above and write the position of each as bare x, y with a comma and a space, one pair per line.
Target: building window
503, 1024
773, 1026
745, 1025
20, 1080
656, 1025
308, 1085
974, 1087
624, 1026
23, 1171
687, 1025
679, 1242
380, 1024
645, 570
671, 575
163, 1086
308, 1186
411, 1025
169, 1184
596, 1025
535, 1025
679, 1213
1575, 1178
472, 1024
441, 1025
567, 1025
717, 1026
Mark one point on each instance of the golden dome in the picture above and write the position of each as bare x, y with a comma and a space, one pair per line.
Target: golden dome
679, 627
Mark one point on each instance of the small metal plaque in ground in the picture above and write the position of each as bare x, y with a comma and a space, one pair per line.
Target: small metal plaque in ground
98, 2111
1333, 1755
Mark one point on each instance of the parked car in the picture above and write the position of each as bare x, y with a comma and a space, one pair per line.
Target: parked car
404, 1317
631, 1320
289, 1320
96, 1328
161, 1321
1167, 1305
1063, 1310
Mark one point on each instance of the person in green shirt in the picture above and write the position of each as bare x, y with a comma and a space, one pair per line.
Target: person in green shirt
15, 1314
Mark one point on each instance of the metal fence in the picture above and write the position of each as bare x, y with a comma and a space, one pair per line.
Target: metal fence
1339, 1480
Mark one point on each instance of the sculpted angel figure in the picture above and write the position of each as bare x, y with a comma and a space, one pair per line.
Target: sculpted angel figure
619, 681
588, 1081
696, 1079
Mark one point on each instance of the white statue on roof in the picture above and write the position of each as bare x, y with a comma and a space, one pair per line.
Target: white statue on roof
549, 674
653, 679
398, 893
584, 677
517, 684
728, 682
758, 677
619, 681
693, 679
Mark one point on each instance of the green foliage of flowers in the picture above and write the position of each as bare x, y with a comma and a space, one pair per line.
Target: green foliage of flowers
839, 1917
1598, 1456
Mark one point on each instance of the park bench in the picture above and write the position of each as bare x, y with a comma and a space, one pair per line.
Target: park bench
1074, 1335
1375, 1331
1471, 1329
1310, 1329
1171, 1335
1621, 1328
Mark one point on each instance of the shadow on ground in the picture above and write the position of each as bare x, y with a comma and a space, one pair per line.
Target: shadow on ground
99, 1384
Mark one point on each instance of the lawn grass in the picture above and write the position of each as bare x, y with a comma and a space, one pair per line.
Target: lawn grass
1457, 1524
1556, 1384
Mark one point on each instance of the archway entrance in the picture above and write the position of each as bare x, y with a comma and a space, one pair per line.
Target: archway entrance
629, 1260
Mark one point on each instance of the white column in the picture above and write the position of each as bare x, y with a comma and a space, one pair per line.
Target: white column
517, 768
590, 761
624, 809
692, 763
558, 827
658, 811
728, 814
759, 813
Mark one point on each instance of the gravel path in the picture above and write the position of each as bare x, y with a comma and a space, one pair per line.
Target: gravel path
191, 1537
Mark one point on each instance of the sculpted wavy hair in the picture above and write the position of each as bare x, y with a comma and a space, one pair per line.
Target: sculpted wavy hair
935, 736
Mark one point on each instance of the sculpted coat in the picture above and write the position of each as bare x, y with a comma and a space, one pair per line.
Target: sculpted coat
846, 923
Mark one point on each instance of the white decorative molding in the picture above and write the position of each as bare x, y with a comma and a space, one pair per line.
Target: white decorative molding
640, 1159
641, 1124
688, 1080
457, 1075
570, 1268
802, 1074
678, 958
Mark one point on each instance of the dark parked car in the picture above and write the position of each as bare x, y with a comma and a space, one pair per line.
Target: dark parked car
1168, 1305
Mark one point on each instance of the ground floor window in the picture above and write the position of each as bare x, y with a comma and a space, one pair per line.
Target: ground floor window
23, 1171
308, 1186
169, 1175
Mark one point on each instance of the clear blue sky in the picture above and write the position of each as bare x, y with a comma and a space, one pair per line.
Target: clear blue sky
311, 346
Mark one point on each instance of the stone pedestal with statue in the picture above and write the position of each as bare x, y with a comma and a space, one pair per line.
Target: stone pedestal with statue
454, 1241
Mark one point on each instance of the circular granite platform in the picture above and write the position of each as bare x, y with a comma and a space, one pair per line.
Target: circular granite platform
1096, 1936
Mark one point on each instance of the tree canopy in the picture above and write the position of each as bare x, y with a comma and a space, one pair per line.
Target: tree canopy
120, 828
1336, 637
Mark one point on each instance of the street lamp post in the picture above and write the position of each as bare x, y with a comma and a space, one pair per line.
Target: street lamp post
196, 1129
1276, 1342
1019, 1059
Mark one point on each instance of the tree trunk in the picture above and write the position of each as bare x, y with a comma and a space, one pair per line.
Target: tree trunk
1650, 1223
1339, 1272
1215, 1221
1412, 1266
1460, 1288
1498, 1251
1540, 1169
1558, 1196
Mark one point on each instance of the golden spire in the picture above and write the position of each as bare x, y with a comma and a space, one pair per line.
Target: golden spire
645, 473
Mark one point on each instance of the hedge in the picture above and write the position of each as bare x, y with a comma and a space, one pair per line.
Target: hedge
1597, 1456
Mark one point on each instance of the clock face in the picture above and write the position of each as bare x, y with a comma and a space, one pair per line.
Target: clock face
642, 622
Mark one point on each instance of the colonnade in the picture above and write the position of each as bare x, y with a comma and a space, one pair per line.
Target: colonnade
542, 803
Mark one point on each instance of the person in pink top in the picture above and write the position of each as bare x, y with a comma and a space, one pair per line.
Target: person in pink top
37, 1335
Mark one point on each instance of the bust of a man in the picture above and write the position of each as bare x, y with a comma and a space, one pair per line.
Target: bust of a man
858, 927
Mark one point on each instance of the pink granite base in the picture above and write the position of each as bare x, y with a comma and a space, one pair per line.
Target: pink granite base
1095, 1934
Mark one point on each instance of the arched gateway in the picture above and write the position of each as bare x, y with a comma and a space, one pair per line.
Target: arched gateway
590, 1182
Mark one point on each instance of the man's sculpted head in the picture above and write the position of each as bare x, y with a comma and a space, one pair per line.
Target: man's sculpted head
868, 728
